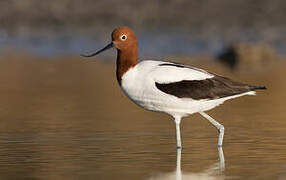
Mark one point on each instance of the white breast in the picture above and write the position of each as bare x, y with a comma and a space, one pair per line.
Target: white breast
139, 85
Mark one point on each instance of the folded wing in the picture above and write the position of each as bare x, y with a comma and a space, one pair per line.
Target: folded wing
198, 84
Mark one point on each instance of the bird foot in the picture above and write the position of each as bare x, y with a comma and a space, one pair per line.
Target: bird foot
179, 147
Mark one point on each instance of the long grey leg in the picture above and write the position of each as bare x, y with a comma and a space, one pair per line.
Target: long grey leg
221, 159
178, 169
217, 125
177, 120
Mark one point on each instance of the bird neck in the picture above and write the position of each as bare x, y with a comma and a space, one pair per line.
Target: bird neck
126, 59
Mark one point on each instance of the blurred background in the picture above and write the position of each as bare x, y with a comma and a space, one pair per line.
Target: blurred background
65, 117
177, 27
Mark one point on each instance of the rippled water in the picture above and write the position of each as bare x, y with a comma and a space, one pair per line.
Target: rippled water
68, 119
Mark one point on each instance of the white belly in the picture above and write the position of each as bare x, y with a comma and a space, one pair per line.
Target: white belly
172, 105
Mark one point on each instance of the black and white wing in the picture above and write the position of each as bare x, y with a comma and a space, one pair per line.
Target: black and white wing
189, 82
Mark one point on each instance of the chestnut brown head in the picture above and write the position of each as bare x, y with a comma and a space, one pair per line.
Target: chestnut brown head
123, 38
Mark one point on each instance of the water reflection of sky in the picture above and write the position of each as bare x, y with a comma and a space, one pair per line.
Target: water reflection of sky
151, 44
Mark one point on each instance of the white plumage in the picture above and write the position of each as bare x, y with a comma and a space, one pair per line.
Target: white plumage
138, 83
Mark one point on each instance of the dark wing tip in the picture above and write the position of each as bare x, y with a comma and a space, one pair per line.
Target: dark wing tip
257, 87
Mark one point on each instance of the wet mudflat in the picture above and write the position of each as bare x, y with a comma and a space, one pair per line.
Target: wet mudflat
68, 119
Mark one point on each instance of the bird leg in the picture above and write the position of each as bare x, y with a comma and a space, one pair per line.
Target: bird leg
178, 132
217, 125
221, 159
178, 169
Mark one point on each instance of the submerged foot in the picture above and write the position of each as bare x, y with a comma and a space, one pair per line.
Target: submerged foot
219, 145
179, 147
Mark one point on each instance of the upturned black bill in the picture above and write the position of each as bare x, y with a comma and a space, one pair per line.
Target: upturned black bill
110, 45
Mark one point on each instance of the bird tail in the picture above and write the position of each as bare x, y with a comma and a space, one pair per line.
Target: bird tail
257, 87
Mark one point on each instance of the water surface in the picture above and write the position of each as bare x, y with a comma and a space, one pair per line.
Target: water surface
68, 119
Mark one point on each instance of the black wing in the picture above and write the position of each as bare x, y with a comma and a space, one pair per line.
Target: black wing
213, 88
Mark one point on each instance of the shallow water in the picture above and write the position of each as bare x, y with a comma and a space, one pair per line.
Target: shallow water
68, 119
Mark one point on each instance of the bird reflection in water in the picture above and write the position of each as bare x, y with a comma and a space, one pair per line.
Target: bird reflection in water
214, 172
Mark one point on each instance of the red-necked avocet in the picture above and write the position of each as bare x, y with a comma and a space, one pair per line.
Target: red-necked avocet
176, 89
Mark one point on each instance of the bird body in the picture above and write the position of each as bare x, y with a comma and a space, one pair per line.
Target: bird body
176, 89
139, 84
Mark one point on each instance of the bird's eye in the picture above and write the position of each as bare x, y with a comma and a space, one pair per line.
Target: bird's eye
123, 37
